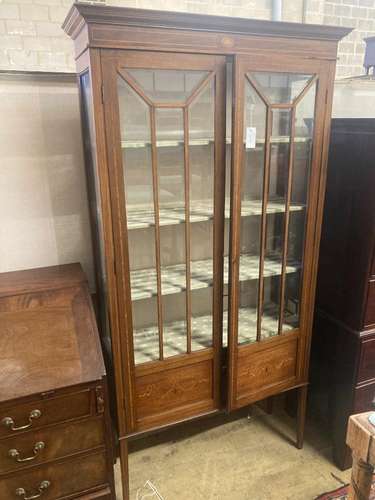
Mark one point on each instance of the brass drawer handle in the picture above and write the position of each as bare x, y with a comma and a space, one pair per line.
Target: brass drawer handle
13, 453
44, 485
9, 422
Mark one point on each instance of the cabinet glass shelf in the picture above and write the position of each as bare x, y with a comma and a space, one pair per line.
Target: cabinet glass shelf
142, 217
168, 143
147, 339
144, 285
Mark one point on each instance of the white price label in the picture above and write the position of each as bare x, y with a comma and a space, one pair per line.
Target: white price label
251, 137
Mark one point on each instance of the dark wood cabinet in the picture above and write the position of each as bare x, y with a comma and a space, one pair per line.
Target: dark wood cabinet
55, 431
344, 331
205, 154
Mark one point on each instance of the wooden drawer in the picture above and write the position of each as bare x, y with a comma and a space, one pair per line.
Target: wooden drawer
370, 305
98, 495
59, 441
52, 411
67, 479
366, 370
363, 398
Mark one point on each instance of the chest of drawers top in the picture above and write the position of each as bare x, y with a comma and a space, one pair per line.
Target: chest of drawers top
48, 336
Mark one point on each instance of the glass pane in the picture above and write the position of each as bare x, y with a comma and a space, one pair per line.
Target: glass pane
171, 181
304, 128
201, 162
255, 113
135, 124
280, 87
279, 161
165, 85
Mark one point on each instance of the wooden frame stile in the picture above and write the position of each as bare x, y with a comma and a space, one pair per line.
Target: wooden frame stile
219, 207
120, 261
324, 106
236, 162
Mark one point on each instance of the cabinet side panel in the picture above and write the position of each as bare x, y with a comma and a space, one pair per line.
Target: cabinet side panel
100, 207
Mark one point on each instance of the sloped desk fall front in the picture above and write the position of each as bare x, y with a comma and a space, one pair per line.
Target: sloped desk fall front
55, 435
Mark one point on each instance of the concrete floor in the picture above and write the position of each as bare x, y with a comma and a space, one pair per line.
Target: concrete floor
233, 458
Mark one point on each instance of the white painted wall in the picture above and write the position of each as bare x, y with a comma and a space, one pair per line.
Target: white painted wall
43, 203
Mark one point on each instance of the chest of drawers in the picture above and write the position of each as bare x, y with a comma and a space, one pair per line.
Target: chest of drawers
55, 434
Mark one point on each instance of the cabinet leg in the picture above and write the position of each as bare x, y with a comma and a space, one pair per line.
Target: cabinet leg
361, 479
124, 461
301, 415
269, 405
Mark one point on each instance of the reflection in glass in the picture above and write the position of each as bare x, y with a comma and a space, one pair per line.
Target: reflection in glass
171, 182
166, 85
201, 193
304, 129
280, 88
255, 113
277, 192
134, 113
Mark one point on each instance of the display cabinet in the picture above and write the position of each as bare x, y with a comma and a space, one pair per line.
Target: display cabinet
205, 155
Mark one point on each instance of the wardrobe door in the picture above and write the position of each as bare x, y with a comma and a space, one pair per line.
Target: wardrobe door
277, 143
166, 149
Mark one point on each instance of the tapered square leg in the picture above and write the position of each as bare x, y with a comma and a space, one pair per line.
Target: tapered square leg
124, 462
301, 415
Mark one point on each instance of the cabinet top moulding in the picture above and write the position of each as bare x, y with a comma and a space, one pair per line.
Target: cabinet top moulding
122, 27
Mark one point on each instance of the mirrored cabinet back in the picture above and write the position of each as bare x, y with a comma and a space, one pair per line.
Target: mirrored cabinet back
205, 141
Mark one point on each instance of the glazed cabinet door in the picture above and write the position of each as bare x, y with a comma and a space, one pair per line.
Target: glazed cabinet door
165, 126
277, 146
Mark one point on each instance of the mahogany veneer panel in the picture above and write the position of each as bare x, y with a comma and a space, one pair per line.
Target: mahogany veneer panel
364, 398
99, 495
60, 322
370, 305
67, 478
61, 441
53, 410
366, 370
42, 278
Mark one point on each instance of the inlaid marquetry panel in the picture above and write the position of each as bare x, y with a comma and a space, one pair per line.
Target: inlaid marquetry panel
266, 368
161, 392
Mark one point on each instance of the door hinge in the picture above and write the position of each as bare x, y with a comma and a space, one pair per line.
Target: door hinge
326, 97
102, 92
